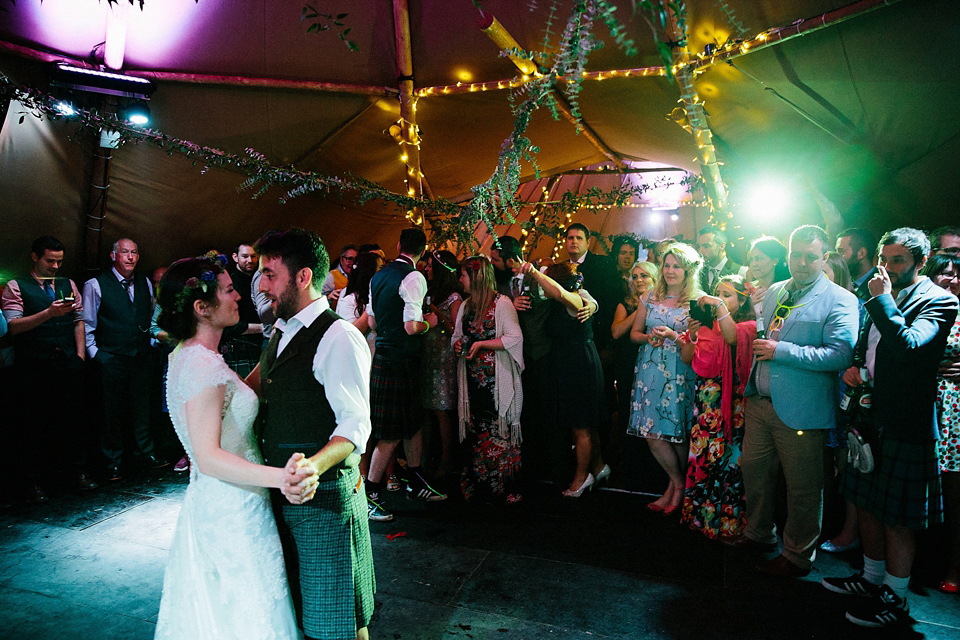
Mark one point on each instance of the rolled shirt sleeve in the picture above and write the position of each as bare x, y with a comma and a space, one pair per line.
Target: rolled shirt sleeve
342, 365
12, 301
413, 289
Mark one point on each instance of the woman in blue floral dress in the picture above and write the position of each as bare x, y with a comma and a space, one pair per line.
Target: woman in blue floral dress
662, 406
488, 340
721, 356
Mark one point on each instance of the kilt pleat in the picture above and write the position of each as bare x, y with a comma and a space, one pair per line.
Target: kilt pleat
396, 407
336, 576
904, 487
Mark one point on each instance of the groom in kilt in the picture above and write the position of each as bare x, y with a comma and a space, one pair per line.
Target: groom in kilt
313, 382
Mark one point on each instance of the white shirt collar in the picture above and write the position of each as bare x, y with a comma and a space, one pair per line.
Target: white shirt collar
582, 258
907, 291
304, 317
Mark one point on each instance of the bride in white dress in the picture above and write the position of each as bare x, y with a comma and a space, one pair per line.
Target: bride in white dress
225, 577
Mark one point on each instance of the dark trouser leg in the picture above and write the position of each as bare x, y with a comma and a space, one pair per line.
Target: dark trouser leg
139, 377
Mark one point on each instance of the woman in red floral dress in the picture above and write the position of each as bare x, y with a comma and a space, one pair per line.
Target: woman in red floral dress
721, 356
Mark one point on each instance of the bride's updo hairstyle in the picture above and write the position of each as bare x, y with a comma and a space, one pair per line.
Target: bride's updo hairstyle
185, 282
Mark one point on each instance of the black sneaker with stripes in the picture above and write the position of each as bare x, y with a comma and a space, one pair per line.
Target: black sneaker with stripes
855, 585
884, 609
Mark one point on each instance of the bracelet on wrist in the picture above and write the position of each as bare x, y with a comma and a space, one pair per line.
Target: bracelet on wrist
727, 314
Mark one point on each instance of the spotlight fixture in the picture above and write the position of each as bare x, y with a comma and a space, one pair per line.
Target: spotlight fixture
116, 84
137, 113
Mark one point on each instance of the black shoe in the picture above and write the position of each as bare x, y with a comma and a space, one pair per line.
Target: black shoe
376, 512
85, 482
36, 495
418, 489
152, 461
855, 585
113, 473
884, 609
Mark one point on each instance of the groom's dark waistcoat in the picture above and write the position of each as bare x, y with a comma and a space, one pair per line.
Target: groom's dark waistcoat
295, 415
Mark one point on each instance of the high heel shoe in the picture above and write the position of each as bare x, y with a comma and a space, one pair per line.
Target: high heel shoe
602, 475
587, 484
653, 506
670, 510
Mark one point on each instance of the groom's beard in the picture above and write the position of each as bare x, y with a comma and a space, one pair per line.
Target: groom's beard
287, 302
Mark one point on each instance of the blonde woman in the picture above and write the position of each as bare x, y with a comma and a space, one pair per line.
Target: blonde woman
662, 407
487, 338
641, 278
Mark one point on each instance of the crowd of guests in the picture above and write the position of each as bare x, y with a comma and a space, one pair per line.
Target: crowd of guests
491, 370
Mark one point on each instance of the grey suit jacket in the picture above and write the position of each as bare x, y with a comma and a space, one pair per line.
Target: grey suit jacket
815, 344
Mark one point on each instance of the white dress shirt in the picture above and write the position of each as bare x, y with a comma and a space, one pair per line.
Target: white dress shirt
413, 289
342, 365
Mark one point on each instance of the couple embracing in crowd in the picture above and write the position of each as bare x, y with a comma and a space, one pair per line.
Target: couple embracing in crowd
225, 575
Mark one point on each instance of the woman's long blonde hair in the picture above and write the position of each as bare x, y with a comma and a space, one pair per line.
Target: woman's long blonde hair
482, 284
690, 261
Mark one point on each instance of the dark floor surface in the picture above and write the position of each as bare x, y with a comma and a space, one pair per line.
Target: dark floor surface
91, 566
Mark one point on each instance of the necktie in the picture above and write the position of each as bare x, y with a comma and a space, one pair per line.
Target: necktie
273, 345
48, 288
125, 283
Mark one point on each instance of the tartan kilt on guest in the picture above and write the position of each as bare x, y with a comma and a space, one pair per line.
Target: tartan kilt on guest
396, 404
329, 540
904, 487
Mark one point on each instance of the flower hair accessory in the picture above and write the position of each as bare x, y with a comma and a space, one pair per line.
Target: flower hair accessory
473, 264
206, 281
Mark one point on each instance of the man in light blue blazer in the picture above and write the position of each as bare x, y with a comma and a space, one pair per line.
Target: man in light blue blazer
811, 328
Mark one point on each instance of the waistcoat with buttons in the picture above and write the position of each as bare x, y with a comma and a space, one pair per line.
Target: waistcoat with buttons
123, 326
295, 415
53, 336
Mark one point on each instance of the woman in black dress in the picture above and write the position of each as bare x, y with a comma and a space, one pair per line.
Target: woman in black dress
578, 379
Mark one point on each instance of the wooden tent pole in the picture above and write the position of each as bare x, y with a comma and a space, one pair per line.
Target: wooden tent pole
706, 152
410, 137
502, 38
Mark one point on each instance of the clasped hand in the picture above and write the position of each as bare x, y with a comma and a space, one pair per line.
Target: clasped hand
471, 353
660, 333
300, 479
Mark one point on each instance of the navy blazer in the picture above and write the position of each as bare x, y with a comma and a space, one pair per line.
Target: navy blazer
912, 341
815, 343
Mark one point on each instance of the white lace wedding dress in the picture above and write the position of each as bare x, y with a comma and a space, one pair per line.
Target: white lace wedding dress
225, 577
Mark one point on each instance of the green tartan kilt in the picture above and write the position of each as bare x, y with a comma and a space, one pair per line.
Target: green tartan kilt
329, 558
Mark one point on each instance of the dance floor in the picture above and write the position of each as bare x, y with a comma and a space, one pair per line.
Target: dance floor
91, 566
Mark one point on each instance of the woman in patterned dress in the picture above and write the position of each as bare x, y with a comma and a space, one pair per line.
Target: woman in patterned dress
489, 344
944, 270
721, 356
662, 407
439, 384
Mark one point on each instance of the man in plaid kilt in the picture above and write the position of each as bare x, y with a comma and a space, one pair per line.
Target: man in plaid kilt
901, 344
396, 312
313, 382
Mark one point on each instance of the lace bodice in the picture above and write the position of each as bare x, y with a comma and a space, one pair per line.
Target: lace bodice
195, 368
225, 576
